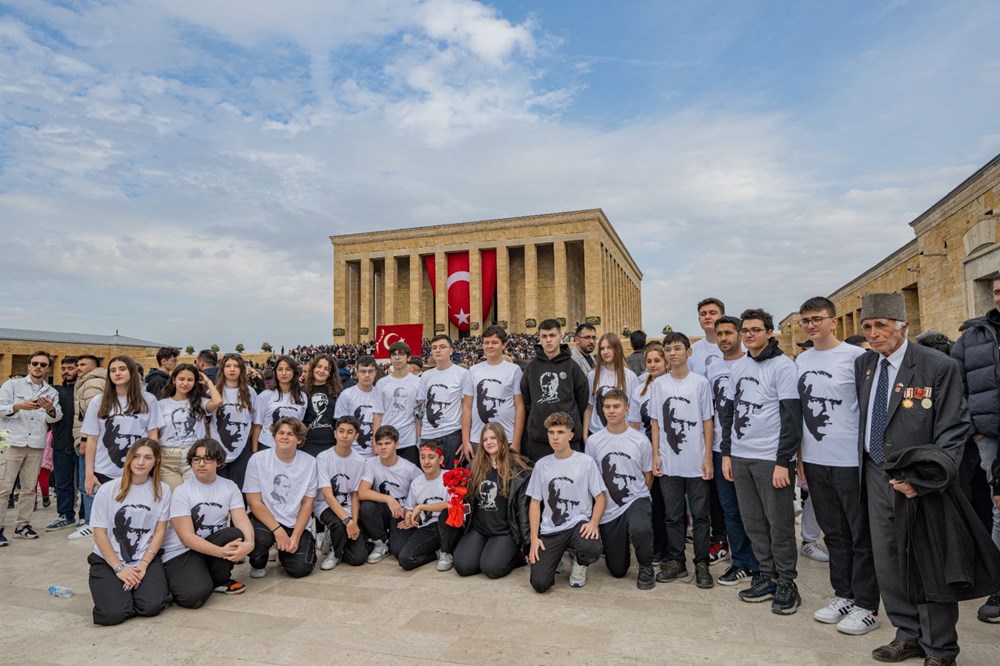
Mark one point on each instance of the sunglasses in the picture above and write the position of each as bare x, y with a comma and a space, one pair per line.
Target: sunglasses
39, 364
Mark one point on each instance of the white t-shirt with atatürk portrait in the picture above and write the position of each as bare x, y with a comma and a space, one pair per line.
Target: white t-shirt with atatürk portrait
830, 411
441, 392
281, 485
622, 459
492, 388
566, 488
680, 409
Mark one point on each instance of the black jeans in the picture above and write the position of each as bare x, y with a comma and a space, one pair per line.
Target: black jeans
236, 471
659, 520
193, 576
636, 524
449, 443
297, 564
64, 470
535, 449
353, 551
496, 555
411, 453
675, 488
836, 496
418, 546
113, 605
585, 551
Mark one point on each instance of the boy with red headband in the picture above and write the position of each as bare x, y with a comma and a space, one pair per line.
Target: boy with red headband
423, 536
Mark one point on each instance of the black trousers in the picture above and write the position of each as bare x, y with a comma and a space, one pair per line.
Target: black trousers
236, 471
193, 576
836, 496
353, 551
411, 453
297, 564
586, 552
716, 513
64, 470
449, 443
635, 525
535, 449
495, 555
418, 546
377, 523
114, 605
659, 520
675, 488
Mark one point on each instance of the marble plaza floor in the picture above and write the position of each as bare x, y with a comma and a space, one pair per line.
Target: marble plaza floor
380, 614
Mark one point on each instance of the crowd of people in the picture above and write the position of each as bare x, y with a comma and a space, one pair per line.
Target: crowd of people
579, 451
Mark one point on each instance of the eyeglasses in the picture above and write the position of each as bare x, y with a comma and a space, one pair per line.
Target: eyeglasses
198, 460
752, 331
587, 337
39, 364
812, 321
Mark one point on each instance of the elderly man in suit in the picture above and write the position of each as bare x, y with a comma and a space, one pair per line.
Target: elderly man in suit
909, 396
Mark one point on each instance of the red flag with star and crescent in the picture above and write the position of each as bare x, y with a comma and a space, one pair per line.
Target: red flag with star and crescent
459, 307
411, 334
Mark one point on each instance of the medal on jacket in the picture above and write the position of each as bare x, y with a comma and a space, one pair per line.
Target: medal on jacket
926, 403
907, 403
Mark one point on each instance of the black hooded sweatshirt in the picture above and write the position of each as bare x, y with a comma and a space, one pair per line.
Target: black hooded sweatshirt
551, 385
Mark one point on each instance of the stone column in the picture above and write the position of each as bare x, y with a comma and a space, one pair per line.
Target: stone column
530, 283
593, 263
367, 300
561, 300
475, 291
441, 290
503, 286
416, 287
340, 293
389, 290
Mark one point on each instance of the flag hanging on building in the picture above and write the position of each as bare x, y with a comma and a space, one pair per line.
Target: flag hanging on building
411, 334
458, 285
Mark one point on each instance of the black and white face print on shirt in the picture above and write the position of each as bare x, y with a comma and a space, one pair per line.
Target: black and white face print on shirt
719, 393
386, 488
746, 392
364, 414
644, 417
117, 438
231, 432
558, 505
183, 422
281, 487
282, 411
817, 410
489, 398
436, 403
209, 518
427, 515
399, 399
320, 403
674, 428
488, 495
614, 479
599, 403
548, 384
127, 531
338, 485
710, 359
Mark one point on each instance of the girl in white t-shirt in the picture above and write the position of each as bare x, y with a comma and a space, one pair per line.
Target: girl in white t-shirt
129, 518
611, 371
233, 420
189, 398
285, 400
115, 420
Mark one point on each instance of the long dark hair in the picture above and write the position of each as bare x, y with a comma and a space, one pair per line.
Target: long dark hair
196, 394
295, 388
333, 387
242, 382
135, 403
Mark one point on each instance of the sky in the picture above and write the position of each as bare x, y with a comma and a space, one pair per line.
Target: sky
173, 170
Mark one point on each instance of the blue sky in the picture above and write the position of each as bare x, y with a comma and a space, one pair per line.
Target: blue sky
172, 170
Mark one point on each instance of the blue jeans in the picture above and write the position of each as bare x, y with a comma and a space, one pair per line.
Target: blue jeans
739, 543
85, 500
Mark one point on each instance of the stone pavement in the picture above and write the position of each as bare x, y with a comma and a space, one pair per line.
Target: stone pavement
381, 614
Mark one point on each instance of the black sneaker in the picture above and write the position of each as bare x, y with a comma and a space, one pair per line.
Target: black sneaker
25, 532
761, 589
735, 575
702, 577
786, 599
3, 539
646, 580
988, 612
671, 571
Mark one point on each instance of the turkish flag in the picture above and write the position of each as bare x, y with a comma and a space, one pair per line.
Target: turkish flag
411, 334
459, 306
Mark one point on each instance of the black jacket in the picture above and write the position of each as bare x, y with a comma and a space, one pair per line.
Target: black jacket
517, 511
62, 430
978, 358
945, 553
155, 381
551, 385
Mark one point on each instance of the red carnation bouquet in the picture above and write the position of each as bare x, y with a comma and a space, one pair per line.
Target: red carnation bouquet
456, 480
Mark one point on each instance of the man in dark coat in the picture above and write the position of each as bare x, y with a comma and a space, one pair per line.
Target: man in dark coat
909, 396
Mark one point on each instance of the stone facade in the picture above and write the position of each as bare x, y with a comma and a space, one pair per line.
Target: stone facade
14, 355
945, 273
570, 265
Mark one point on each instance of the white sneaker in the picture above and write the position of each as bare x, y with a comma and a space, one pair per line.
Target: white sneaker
445, 562
812, 550
272, 555
834, 611
858, 622
379, 552
330, 561
81, 532
578, 575
326, 542
257, 573
565, 562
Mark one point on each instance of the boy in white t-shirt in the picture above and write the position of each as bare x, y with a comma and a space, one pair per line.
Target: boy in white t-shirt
385, 485
625, 458
440, 402
339, 471
398, 401
681, 413
422, 534
493, 392
362, 402
567, 502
